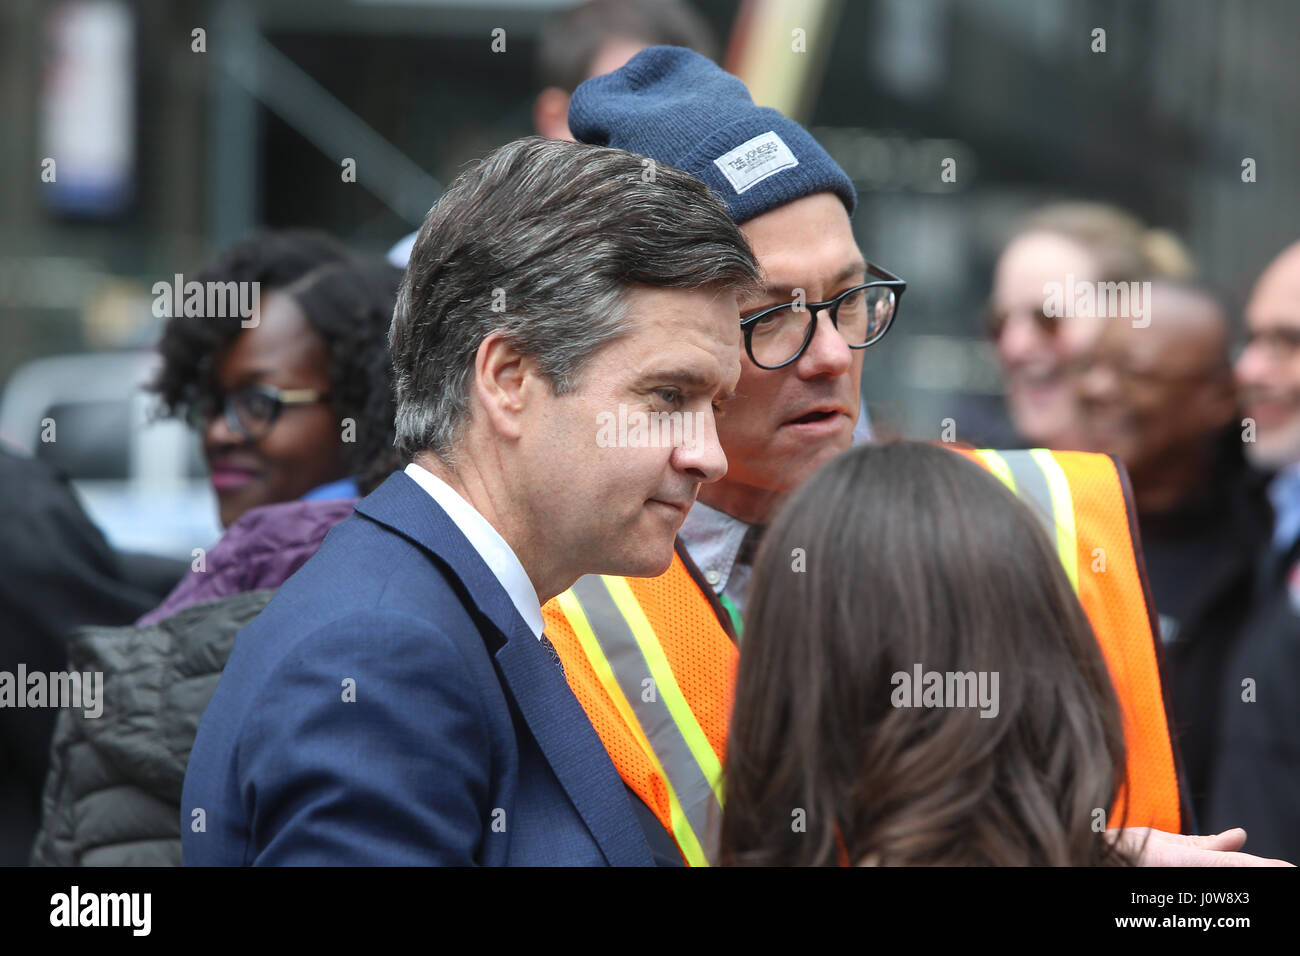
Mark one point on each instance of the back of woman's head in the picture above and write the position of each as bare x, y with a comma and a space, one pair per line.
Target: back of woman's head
904, 559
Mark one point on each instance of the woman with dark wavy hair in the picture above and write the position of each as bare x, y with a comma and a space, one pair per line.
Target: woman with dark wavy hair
295, 415
892, 562
272, 401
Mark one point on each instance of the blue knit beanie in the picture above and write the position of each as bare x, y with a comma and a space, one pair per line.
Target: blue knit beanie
678, 107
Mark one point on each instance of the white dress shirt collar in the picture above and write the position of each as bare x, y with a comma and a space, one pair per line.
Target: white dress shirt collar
485, 539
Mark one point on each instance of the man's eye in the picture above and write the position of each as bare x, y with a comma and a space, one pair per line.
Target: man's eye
753, 312
670, 395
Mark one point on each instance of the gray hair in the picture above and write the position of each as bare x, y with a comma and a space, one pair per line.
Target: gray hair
541, 242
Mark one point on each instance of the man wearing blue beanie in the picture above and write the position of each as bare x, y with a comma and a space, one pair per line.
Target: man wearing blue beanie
796, 406
793, 202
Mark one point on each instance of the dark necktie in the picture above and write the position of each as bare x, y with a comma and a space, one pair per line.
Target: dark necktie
554, 654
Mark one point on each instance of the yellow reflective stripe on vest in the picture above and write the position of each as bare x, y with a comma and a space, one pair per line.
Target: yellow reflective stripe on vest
1037, 479
1067, 545
628, 646
666, 683
997, 466
682, 832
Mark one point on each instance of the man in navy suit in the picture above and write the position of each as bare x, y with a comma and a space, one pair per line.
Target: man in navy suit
397, 701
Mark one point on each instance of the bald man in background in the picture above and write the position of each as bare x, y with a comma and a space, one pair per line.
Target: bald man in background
1255, 777
1161, 398
1268, 373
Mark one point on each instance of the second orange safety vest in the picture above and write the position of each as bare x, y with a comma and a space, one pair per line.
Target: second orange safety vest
653, 660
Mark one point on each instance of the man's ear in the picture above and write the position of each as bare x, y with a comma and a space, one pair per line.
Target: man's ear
500, 371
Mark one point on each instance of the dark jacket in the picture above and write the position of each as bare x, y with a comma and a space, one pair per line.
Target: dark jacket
1201, 560
1255, 770
57, 573
113, 793
392, 706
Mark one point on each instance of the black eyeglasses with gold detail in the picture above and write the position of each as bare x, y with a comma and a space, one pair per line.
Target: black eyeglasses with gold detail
251, 411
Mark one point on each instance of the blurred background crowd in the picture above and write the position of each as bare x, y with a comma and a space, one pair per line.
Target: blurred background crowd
995, 146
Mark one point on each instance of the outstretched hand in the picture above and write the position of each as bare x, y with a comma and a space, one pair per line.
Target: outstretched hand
1158, 848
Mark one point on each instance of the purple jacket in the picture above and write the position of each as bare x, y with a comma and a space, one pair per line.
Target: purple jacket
260, 550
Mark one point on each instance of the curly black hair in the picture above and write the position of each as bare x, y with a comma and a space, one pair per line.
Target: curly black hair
347, 299
272, 258
351, 305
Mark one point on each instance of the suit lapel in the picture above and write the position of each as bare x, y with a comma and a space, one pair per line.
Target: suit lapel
572, 747
554, 716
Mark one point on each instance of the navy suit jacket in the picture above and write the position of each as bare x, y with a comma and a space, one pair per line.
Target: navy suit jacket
463, 743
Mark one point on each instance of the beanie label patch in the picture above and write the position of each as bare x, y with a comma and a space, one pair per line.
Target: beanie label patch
754, 160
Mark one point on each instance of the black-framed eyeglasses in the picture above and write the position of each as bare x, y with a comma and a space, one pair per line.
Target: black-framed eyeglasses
251, 411
777, 336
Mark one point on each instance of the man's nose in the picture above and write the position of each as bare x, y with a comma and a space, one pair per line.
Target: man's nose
828, 353
700, 453
217, 433
1020, 338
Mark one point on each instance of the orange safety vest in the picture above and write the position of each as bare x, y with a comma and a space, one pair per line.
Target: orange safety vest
653, 660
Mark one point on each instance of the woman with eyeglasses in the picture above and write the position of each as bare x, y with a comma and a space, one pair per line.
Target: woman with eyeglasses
296, 414
893, 563
1068, 245
272, 401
